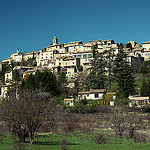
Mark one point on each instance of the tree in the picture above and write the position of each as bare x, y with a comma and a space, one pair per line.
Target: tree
16, 76
26, 113
145, 68
123, 74
109, 57
30, 83
96, 78
144, 88
45, 81
62, 79
119, 121
129, 45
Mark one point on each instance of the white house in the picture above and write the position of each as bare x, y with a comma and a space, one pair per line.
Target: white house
146, 45
92, 94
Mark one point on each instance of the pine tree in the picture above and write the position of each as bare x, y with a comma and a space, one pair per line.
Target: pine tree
123, 74
109, 59
96, 78
144, 88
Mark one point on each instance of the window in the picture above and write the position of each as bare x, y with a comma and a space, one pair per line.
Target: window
85, 56
96, 95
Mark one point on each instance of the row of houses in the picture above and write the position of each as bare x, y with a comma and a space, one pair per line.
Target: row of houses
99, 94
71, 57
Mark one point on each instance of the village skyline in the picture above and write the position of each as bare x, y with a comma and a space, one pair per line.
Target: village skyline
31, 25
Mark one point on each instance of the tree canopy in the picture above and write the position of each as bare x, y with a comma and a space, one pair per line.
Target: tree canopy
123, 74
45, 80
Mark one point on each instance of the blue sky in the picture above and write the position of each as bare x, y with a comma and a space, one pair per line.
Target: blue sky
32, 24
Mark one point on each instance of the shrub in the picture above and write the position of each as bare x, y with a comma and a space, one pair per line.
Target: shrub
141, 138
147, 109
48, 126
100, 139
63, 144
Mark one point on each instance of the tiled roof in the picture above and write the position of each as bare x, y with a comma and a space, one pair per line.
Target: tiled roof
138, 98
93, 91
98, 91
148, 42
61, 57
83, 52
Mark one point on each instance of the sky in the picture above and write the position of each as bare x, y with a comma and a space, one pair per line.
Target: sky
31, 25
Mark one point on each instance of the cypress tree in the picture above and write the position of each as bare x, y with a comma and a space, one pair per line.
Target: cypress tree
96, 78
123, 74
144, 88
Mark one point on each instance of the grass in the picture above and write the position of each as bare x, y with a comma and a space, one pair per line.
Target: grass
79, 142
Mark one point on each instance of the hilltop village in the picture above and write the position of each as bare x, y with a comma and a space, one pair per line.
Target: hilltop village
71, 58
77, 91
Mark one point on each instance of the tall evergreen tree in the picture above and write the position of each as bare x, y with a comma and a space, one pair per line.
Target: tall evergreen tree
144, 88
123, 74
96, 78
30, 83
109, 57
62, 79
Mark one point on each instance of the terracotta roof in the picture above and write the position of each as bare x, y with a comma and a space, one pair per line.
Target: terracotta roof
70, 58
138, 49
83, 52
68, 99
86, 92
61, 57
138, 98
88, 44
98, 91
148, 42
93, 91
114, 47
55, 67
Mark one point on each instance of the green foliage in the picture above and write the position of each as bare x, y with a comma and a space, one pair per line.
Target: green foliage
110, 78
129, 45
120, 46
144, 88
45, 80
100, 139
123, 75
16, 76
5, 67
93, 106
76, 107
145, 67
96, 78
62, 79
81, 142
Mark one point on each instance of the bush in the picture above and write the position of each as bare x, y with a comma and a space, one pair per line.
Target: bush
100, 139
141, 138
63, 144
48, 126
147, 109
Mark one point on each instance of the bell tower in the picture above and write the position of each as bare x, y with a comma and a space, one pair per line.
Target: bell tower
55, 40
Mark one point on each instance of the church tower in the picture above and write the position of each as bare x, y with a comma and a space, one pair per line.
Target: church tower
55, 40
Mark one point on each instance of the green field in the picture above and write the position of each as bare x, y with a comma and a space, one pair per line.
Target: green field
78, 142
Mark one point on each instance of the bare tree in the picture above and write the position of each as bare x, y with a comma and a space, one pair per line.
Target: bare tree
119, 122
26, 113
126, 121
